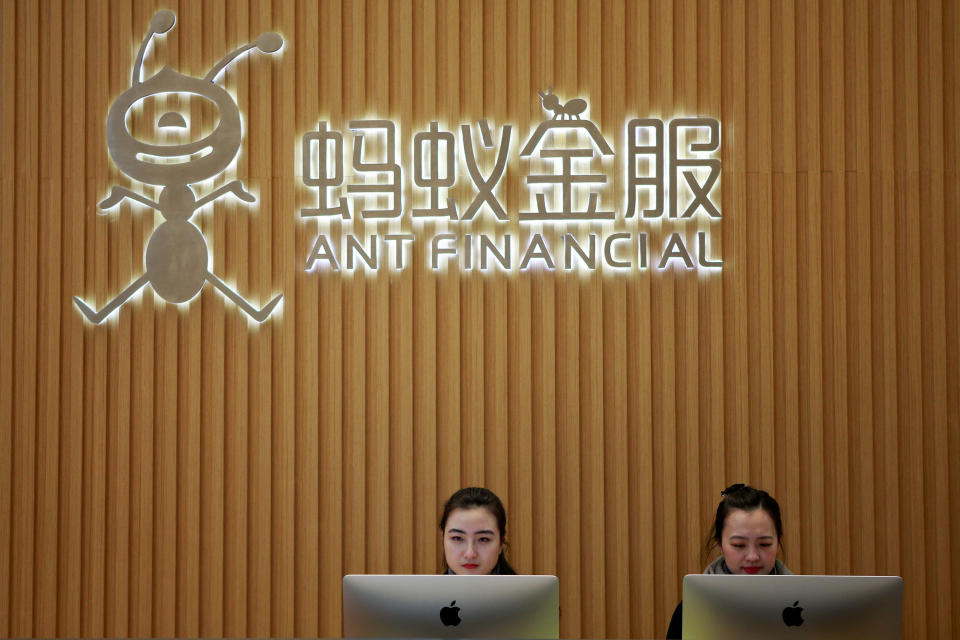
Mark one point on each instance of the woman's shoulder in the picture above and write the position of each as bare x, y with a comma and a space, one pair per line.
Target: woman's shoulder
717, 566
675, 628
780, 569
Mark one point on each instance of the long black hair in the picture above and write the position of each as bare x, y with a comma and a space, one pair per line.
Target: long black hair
472, 497
746, 498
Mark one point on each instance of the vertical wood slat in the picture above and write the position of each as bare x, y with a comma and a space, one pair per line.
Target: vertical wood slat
23, 300
180, 471
615, 561
834, 98
862, 449
495, 307
645, 586
663, 335
354, 355
448, 303
951, 79
885, 296
812, 407
282, 78
96, 381
164, 431
240, 380
122, 248
8, 115
736, 380
403, 465
933, 265
72, 344
212, 444
143, 403
376, 307
685, 81
237, 369
306, 388
544, 358
568, 306
591, 329
472, 299
259, 141
426, 384
48, 356
908, 325
332, 453
785, 263
189, 382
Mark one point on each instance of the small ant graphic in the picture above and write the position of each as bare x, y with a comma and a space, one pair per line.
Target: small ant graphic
572, 109
176, 257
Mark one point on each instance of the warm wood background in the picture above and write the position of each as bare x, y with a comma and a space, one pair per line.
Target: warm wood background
183, 472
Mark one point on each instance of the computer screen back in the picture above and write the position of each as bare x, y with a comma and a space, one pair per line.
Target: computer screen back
447, 606
722, 607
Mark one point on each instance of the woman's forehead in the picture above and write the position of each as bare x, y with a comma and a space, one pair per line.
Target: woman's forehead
472, 520
754, 524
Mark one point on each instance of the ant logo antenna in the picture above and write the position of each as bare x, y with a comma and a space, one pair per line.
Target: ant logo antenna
569, 110
176, 260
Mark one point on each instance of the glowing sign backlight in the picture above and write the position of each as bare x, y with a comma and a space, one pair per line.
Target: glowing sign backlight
673, 165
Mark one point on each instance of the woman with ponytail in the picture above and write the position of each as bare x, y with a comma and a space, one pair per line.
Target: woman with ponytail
747, 529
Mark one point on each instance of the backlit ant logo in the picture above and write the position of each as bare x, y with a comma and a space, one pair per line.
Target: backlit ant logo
176, 258
572, 109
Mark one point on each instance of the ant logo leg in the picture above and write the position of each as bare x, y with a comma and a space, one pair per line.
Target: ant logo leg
96, 317
258, 315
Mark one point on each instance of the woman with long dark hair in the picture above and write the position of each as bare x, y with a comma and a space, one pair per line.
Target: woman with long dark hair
474, 529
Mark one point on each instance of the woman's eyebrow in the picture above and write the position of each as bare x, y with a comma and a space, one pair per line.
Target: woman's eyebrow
476, 533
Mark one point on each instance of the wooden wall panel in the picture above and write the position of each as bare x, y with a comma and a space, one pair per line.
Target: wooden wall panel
182, 471
7, 279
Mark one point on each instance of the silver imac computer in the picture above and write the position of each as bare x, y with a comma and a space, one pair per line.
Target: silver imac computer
446, 606
721, 607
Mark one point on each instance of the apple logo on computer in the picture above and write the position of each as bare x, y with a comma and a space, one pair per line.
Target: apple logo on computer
450, 616
792, 615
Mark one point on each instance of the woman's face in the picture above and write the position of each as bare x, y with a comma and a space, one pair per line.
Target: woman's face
471, 541
749, 542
